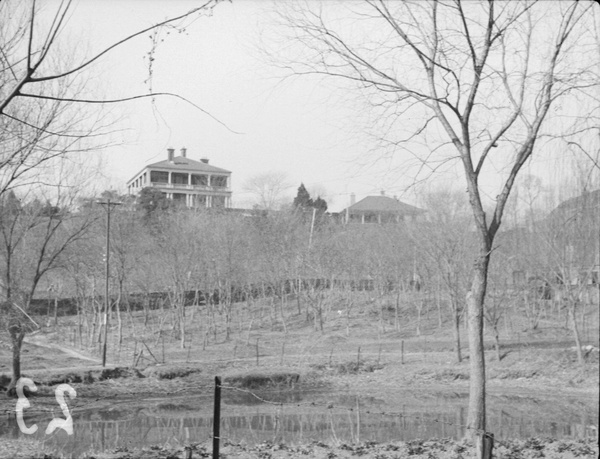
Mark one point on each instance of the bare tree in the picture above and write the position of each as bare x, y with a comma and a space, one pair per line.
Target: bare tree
34, 239
268, 188
44, 112
181, 237
474, 84
43, 120
28, 44
445, 240
567, 256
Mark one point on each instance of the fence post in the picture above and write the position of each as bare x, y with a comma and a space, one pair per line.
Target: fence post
488, 445
484, 445
217, 418
357, 420
257, 352
402, 352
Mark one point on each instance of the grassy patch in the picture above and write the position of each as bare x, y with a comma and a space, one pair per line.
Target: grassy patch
260, 380
89, 376
513, 374
169, 372
349, 368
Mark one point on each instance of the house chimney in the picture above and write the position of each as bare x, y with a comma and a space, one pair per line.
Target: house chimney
204, 160
171, 153
184, 152
352, 199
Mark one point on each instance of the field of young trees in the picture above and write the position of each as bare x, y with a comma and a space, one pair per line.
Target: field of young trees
244, 271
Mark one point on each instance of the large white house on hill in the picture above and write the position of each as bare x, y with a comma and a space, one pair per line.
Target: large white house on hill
186, 181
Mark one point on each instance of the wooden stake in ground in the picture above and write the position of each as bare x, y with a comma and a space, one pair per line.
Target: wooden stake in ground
402, 352
484, 445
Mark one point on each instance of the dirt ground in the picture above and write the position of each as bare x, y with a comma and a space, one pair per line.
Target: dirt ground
540, 363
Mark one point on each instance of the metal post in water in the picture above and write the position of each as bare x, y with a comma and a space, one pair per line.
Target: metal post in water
217, 418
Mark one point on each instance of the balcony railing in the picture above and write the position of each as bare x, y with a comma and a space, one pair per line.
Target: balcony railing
185, 186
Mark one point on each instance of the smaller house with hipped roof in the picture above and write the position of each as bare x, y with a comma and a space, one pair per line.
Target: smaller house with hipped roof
379, 209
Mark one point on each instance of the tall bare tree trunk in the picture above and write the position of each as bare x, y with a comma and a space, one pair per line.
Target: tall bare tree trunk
456, 331
475, 303
497, 342
119, 319
55, 310
572, 307
16, 336
182, 324
282, 309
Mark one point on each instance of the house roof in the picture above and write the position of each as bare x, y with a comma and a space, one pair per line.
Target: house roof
383, 204
181, 163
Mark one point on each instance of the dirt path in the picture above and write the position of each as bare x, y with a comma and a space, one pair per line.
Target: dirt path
41, 341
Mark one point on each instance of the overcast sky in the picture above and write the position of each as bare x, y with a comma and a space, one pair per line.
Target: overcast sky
297, 127
303, 127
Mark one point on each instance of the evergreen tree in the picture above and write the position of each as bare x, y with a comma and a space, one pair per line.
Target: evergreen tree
320, 204
302, 199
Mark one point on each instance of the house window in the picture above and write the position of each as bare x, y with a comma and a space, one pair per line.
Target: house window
199, 180
159, 177
177, 178
218, 181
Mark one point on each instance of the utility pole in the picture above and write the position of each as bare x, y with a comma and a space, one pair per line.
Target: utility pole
312, 227
108, 208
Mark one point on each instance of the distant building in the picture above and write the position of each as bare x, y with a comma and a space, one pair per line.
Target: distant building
379, 209
575, 226
186, 181
559, 254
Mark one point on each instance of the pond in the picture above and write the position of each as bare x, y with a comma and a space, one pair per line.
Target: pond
295, 417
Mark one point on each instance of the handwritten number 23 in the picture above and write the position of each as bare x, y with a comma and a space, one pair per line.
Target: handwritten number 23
56, 423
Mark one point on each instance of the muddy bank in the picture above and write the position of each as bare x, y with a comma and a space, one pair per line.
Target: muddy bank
100, 386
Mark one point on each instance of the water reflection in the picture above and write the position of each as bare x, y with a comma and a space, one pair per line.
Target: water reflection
306, 417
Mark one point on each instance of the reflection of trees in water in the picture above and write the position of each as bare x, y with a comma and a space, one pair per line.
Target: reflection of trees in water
515, 417
247, 399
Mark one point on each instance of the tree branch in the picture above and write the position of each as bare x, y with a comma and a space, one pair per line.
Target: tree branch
126, 99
